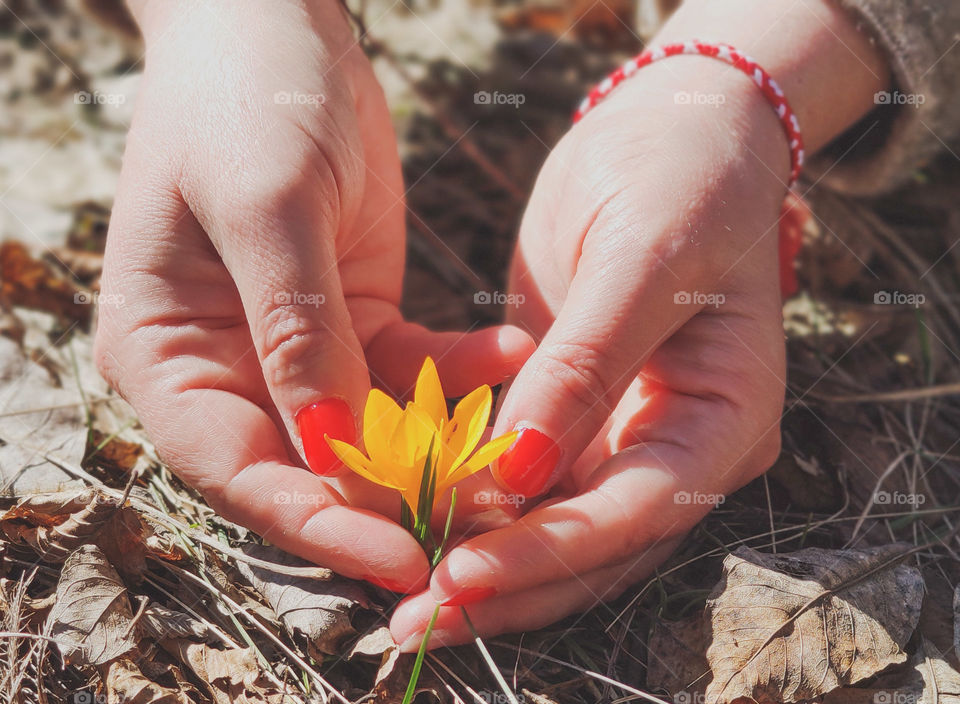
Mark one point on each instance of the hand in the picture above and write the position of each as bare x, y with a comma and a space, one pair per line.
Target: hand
648, 262
257, 246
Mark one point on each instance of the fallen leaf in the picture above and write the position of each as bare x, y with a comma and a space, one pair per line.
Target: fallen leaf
162, 622
33, 283
941, 683
55, 525
792, 627
91, 618
111, 452
373, 644
126, 684
37, 417
230, 676
318, 611
927, 679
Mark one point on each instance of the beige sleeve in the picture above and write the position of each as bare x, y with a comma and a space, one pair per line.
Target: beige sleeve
919, 117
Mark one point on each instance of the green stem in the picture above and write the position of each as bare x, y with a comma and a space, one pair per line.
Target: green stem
418, 663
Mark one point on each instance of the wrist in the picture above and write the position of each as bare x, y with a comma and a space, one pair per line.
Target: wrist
827, 68
713, 116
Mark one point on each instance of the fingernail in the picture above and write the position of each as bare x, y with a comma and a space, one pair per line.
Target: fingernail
470, 595
331, 417
528, 463
388, 584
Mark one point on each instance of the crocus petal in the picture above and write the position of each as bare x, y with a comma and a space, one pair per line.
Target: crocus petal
481, 458
469, 421
381, 416
412, 437
429, 394
359, 463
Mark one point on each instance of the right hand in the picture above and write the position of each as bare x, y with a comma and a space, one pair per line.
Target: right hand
254, 268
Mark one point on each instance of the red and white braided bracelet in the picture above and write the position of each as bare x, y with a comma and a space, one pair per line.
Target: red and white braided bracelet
727, 54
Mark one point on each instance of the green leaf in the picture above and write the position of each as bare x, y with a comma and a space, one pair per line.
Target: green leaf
438, 553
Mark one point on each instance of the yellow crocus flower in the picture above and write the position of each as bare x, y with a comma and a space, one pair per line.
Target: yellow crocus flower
397, 440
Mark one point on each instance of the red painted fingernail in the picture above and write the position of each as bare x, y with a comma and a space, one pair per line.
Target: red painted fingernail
470, 595
331, 417
388, 584
528, 463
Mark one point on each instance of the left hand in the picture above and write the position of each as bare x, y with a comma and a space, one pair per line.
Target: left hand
648, 262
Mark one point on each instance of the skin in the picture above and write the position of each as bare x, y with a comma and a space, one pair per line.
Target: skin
228, 197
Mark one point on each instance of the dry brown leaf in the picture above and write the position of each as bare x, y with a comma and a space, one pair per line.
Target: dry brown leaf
676, 660
38, 416
927, 679
316, 610
126, 684
792, 627
90, 620
55, 525
33, 283
941, 683
111, 452
230, 676
162, 622
373, 644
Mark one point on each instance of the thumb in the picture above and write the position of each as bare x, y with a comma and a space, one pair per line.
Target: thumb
278, 244
612, 319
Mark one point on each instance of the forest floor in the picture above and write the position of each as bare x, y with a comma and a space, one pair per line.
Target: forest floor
134, 590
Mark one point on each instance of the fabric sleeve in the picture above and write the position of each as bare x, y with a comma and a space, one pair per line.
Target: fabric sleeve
919, 117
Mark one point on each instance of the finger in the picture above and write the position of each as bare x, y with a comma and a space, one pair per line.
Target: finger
229, 449
693, 453
276, 232
530, 609
599, 341
464, 360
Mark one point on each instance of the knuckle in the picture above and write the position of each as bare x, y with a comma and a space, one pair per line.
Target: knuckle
289, 340
585, 374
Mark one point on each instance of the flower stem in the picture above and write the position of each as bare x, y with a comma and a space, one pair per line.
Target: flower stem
418, 663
